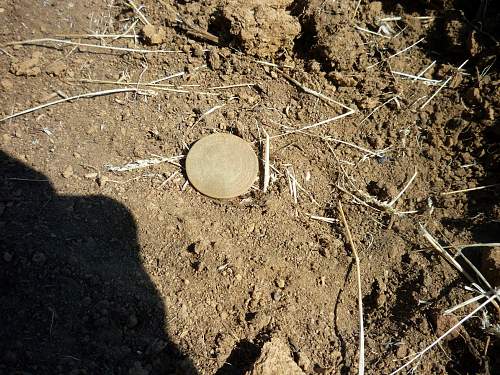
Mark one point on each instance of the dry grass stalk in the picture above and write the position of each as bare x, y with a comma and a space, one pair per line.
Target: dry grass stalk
86, 95
267, 174
470, 189
453, 261
94, 36
231, 86
361, 363
380, 106
328, 220
442, 86
212, 110
385, 206
316, 93
418, 78
292, 183
97, 46
141, 16
396, 54
440, 338
178, 74
145, 163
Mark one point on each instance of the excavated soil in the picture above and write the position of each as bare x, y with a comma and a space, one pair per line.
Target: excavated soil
109, 270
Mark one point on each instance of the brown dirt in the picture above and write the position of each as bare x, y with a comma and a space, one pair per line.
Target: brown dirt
136, 273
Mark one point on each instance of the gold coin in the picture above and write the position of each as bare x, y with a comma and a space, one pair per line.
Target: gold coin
221, 166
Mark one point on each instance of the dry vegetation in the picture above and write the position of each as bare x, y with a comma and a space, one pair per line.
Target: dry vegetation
369, 244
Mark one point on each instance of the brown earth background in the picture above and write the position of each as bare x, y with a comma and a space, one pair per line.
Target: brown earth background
135, 272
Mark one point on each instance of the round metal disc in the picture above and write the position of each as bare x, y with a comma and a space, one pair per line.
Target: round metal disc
222, 166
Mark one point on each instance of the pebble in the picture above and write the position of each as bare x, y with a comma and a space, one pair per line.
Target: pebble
280, 283
68, 172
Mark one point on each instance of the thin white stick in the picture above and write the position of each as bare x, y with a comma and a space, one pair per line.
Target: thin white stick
86, 95
396, 54
455, 326
361, 365
125, 34
417, 78
267, 174
231, 86
323, 122
51, 40
139, 13
470, 189
178, 74
211, 110
394, 200
329, 220
315, 93
463, 304
93, 36
426, 69
442, 86
144, 163
378, 107
370, 32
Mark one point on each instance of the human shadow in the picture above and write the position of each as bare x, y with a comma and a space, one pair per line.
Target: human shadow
74, 296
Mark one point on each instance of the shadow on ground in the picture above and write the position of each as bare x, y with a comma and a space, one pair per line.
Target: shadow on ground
74, 297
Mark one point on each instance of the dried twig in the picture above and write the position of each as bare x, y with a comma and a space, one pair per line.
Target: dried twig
267, 174
442, 86
361, 365
455, 326
86, 95
145, 163
142, 17
62, 41
470, 189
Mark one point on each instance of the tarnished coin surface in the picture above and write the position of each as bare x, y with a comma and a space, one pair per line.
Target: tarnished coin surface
222, 166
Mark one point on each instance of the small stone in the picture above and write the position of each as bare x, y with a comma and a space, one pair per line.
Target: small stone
7, 256
39, 258
68, 172
280, 283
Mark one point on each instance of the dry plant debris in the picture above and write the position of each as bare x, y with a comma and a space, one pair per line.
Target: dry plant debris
388, 108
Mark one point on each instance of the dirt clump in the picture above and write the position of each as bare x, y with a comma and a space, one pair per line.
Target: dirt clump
275, 359
153, 35
261, 28
28, 67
